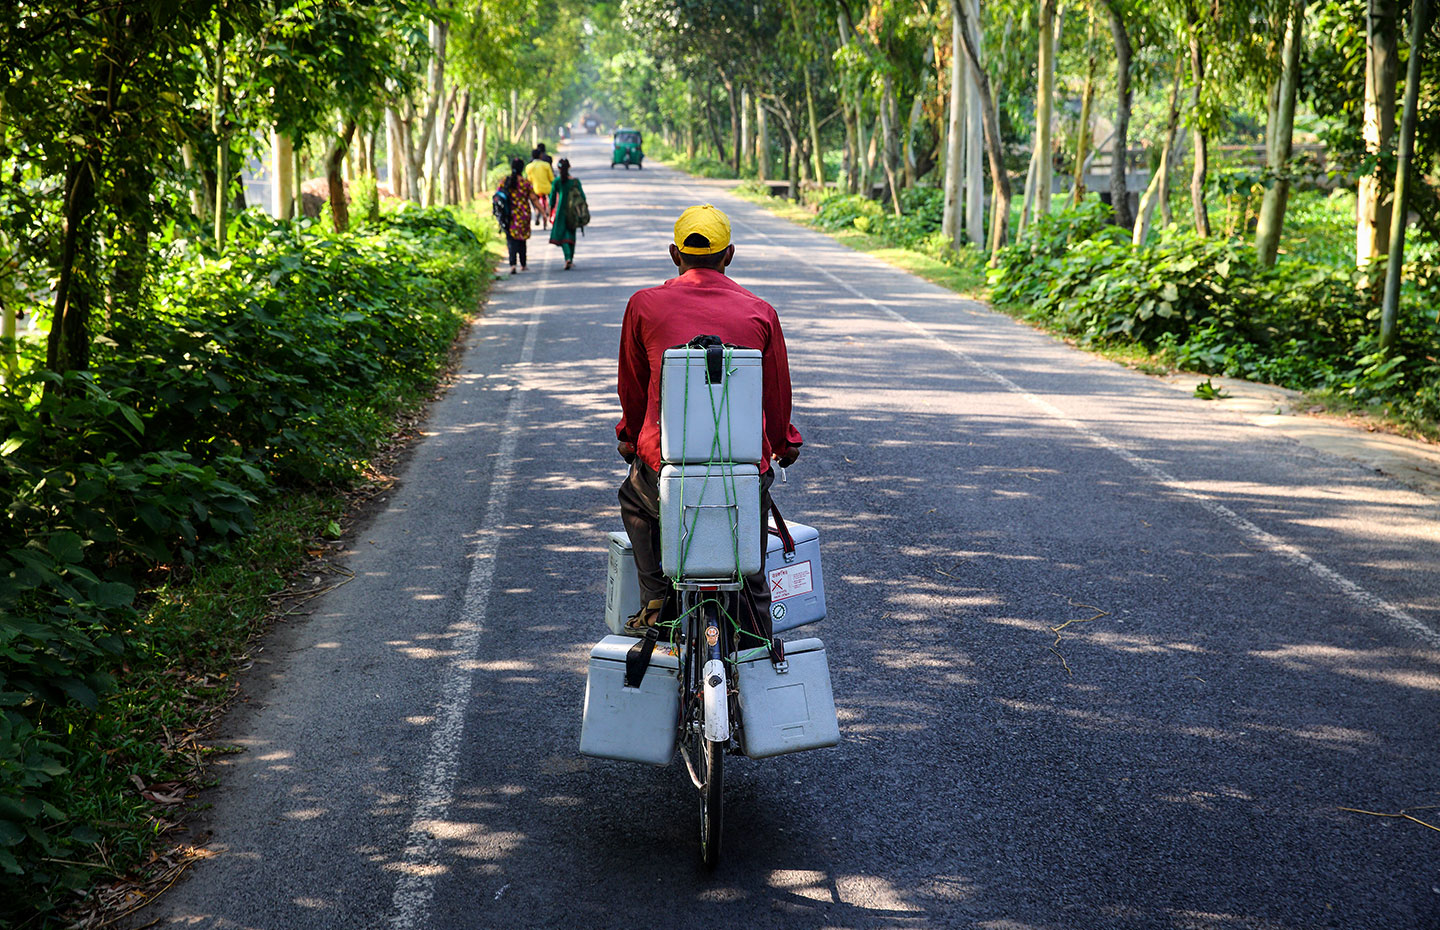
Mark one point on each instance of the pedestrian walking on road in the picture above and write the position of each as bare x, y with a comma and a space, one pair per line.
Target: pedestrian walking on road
521, 196
541, 175
571, 212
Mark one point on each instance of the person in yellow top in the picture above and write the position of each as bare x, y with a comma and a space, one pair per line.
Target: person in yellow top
541, 176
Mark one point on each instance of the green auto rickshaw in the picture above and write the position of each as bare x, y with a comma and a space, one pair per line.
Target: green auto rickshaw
627, 149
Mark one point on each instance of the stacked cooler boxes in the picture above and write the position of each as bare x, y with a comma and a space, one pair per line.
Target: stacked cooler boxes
711, 530
711, 443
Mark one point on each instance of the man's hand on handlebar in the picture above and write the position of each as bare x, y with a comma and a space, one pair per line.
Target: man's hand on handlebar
786, 457
627, 452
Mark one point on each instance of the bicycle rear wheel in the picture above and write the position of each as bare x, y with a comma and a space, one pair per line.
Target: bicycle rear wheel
712, 800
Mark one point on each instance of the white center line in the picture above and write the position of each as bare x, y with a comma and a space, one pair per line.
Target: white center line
1398, 617
420, 863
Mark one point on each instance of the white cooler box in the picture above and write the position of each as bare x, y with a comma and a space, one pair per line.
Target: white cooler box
797, 586
622, 584
631, 724
704, 422
708, 514
787, 711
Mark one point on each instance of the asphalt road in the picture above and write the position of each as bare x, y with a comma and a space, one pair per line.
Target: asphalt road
1254, 646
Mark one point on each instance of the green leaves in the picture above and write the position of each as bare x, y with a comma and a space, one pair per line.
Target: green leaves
238, 382
1205, 390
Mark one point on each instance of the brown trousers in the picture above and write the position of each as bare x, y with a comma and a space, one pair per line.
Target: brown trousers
640, 512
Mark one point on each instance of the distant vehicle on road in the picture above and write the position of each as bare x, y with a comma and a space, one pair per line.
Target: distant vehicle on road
627, 149
592, 125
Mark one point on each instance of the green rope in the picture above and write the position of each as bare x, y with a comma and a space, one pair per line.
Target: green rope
718, 458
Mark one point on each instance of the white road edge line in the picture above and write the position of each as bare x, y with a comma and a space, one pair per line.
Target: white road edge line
415, 891
1398, 617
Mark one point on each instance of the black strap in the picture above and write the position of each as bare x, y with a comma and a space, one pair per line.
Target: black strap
637, 660
781, 530
715, 365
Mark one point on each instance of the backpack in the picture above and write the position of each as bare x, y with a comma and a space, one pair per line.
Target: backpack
500, 208
577, 211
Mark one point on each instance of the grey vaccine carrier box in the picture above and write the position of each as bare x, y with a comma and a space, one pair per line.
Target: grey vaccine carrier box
705, 422
797, 586
622, 584
710, 521
789, 708
631, 724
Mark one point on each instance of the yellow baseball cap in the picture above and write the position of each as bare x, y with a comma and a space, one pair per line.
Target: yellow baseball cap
708, 221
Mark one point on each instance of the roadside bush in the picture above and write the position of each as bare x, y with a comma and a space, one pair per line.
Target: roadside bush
1215, 309
279, 365
840, 211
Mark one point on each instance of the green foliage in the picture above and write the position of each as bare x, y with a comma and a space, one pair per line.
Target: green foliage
279, 366
845, 210
1211, 305
1205, 390
364, 200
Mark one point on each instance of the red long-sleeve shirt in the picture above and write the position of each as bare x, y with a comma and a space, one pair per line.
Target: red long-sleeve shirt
699, 302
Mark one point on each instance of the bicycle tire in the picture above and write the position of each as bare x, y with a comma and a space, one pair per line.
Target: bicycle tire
712, 801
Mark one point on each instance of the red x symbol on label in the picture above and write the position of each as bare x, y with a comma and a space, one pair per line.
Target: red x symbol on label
776, 586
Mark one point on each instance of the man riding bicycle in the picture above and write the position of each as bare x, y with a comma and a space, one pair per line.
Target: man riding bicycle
700, 300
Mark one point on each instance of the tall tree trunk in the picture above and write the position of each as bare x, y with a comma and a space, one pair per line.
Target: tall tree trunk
9, 362
762, 143
872, 153
1158, 187
217, 126
1395, 267
464, 158
1085, 134
438, 177
1382, 68
1119, 189
1029, 200
1045, 108
850, 159
1197, 176
68, 346
890, 146
1000, 181
1278, 136
451, 152
200, 192
282, 167
712, 120
1177, 155
793, 159
393, 153
482, 159
744, 152
817, 155
417, 180
339, 208
952, 222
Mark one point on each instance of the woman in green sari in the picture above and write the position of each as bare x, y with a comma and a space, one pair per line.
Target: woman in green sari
566, 195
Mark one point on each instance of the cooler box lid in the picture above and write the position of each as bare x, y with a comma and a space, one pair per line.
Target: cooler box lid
614, 649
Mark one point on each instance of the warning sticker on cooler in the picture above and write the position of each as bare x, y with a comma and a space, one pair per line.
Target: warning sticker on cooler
790, 581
